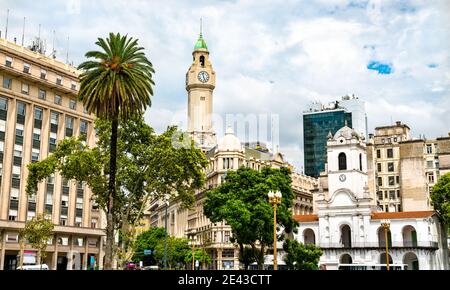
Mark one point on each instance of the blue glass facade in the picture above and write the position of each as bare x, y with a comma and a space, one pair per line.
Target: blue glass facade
316, 127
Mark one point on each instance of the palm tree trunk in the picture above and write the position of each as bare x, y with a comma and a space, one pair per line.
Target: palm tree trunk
112, 194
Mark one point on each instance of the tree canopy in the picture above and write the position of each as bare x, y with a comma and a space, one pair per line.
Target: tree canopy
301, 257
37, 232
241, 201
440, 196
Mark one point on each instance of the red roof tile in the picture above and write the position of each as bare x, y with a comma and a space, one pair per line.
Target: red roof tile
306, 218
401, 215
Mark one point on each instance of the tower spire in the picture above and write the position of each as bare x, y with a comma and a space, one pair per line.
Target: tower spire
201, 27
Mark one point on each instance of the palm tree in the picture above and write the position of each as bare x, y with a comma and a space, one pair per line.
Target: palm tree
115, 85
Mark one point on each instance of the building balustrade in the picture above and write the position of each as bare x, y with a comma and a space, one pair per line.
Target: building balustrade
382, 245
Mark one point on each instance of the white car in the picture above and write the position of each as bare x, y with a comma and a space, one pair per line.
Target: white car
33, 267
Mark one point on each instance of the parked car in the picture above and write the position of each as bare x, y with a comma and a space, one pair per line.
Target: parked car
33, 267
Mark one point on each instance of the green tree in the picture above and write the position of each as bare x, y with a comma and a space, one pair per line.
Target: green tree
176, 251
37, 232
147, 240
301, 257
140, 171
247, 256
242, 202
117, 84
200, 255
440, 197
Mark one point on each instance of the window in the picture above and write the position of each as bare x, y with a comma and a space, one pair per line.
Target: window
227, 237
69, 122
20, 108
83, 127
429, 148
379, 167
342, 161
391, 180
26, 68
63, 222
54, 118
59, 80
430, 163
73, 104
49, 199
94, 223
43, 74
391, 194
382, 140
202, 60
25, 89
7, 82
42, 94
360, 162
8, 61
11, 238
58, 99
380, 195
378, 153
395, 139
390, 153
202, 98
430, 177
390, 166
73, 86
3, 104
34, 156
380, 181
397, 179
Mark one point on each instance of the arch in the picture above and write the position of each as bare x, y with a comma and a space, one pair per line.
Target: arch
382, 238
342, 160
346, 259
411, 260
309, 237
346, 236
383, 258
360, 162
202, 60
409, 236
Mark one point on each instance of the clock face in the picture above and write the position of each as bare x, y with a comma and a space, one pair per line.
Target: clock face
203, 76
342, 177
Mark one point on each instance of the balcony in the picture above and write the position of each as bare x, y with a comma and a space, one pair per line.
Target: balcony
40, 80
382, 245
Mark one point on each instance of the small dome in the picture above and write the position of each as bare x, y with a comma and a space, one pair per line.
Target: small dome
346, 132
229, 142
200, 44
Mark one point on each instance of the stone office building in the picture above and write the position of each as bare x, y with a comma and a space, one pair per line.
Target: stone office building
38, 107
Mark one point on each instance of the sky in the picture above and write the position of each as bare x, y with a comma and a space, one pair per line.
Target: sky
271, 58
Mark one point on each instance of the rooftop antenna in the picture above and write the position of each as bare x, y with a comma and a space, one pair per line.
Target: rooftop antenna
23, 31
39, 39
53, 45
67, 52
7, 17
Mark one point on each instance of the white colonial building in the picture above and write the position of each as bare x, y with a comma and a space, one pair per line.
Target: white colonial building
346, 223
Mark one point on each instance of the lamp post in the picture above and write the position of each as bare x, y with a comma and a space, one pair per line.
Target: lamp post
166, 200
386, 224
193, 253
274, 199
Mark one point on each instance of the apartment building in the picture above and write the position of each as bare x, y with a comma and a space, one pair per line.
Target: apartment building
403, 170
38, 107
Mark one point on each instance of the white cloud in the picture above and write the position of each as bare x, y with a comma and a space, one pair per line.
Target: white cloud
274, 58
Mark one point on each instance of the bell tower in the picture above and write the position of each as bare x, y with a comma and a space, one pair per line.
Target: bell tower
200, 84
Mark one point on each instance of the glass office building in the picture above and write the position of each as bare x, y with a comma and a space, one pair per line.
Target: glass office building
320, 119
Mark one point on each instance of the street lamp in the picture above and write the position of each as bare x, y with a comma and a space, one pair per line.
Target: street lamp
166, 201
385, 223
193, 254
274, 199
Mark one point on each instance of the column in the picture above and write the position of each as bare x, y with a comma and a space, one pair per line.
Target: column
86, 254
2, 251
100, 255
55, 254
219, 259
70, 254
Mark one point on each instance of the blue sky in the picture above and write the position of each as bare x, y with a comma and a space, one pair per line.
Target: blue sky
272, 57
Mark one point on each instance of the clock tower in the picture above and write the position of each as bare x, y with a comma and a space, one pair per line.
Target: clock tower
347, 162
200, 84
